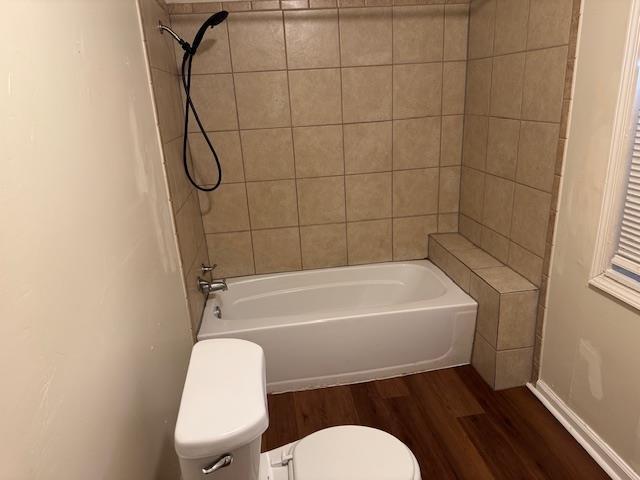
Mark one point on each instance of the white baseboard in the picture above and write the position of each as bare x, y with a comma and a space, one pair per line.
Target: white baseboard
595, 446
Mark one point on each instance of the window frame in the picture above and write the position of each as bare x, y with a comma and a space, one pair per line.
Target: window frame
602, 276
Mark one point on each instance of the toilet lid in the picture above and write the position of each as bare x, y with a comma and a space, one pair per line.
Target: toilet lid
354, 453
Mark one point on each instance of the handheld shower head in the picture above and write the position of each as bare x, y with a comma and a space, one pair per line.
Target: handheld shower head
212, 21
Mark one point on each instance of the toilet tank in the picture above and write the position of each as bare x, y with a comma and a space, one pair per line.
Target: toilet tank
223, 408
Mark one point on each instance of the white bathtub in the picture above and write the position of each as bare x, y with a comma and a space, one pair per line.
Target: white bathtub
348, 324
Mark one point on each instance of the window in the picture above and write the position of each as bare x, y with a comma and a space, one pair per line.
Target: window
616, 264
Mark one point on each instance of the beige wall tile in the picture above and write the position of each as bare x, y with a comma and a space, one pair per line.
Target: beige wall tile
227, 145
410, 236
525, 263
513, 368
483, 360
365, 36
277, 250
511, 26
530, 217
418, 33
179, 186
451, 141
268, 154
456, 25
293, 4
213, 53
544, 84
324, 246
318, 151
169, 104
453, 88
225, 209
312, 39
265, 5
506, 85
368, 196
189, 231
475, 258
502, 147
321, 200
517, 323
549, 22
416, 143
449, 190
495, 244
498, 204
257, 41
453, 267
478, 86
366, 94
488, 309
448, 222
159, 47
471, 229
195, 298
215, 100
504, 280
272, 204
367, 147
369, 242
232, 252
472, 193
417, 90
474, 150
315, 97
454, 242
481, 28
263, 99
415, 192
537, 154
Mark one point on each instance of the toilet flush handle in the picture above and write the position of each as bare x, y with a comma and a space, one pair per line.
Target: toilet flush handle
224, 461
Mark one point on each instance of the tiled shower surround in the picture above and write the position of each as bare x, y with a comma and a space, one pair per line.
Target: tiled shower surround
339, 129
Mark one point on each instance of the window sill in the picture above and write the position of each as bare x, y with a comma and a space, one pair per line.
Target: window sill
617, 290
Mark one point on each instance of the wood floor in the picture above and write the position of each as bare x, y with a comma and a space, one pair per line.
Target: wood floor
457, 427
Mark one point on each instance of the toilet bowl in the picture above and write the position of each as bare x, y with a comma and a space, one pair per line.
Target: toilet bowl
223, 414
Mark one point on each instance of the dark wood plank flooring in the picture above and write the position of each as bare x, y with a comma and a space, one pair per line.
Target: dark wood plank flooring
457, 427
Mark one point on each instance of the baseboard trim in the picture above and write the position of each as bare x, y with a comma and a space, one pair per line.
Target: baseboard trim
595, 446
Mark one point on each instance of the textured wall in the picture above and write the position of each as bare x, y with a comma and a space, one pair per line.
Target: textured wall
339, 131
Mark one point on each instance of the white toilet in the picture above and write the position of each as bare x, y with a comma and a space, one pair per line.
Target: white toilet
223, 414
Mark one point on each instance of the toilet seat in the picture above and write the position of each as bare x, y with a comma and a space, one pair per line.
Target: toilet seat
352, 452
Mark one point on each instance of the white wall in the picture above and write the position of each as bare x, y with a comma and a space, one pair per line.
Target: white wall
591, 343
94, 335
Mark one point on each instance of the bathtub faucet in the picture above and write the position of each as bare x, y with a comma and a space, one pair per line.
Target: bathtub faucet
208, 288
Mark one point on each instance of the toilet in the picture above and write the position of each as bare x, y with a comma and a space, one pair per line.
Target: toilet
223, 414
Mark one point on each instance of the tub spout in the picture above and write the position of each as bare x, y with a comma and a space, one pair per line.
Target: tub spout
211, 287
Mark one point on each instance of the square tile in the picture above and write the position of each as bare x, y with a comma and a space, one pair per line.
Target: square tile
268, 154
504, 280
502, 147
448, 222
418, 33
470, 229
476, 131
453, 90
369, 242
365, 36
166, 92
451, 141
415, 192
449, 191
277, 250
506, 85
367, 147
410, 236
368, 196
549, 23
312, 38
454, 242
417, 90
215, 98
481, 28
179, 186
537, 154
227, 145
321, 200
530, 218
450, 265
257, 41
263, 99
456, 26
213, 53
483, 360
525, 263
478, 86
488, 309
189, 231
544, 84
498, 204
366, 94
225, 209
416, 143
315, 97
272, 204
318, 151
472, 193
232, 252
511, 26
476, 258
513, 368
324, 246
495, 244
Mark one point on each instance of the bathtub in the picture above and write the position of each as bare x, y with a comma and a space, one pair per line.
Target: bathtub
348, 324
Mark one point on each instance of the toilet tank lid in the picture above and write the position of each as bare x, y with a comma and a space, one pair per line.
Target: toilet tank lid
224, 402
